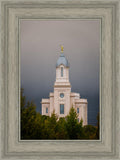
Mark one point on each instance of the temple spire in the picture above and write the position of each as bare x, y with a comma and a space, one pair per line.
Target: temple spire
61, 48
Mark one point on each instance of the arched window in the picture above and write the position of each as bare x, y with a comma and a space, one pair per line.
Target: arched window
46, 110
61, 71
61, 108
77, 110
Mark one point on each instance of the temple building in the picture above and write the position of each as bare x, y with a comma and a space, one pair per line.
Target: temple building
62, 99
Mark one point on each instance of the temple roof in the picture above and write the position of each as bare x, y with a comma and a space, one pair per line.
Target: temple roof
62, 60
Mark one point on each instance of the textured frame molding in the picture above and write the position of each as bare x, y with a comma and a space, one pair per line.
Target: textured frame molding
12, 12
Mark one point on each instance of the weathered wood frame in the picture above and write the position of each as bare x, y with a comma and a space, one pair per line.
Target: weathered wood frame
12, 12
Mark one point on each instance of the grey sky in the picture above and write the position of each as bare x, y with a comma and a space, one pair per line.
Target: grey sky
40, 48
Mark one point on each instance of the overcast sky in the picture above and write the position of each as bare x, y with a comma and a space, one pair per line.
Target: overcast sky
40, 42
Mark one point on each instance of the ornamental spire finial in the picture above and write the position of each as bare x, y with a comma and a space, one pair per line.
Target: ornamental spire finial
61, 48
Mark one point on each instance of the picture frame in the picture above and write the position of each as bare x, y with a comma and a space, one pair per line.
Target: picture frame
12, 11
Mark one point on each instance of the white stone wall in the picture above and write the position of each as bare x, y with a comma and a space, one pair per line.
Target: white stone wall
51, 103
69, 100
86, 119
65, 77
82, 105
62, 85
44, 106
65, 100
73, 97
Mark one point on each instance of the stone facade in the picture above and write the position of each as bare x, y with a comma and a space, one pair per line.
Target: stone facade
62, 99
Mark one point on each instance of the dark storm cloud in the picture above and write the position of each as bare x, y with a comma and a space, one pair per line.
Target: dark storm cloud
40, 49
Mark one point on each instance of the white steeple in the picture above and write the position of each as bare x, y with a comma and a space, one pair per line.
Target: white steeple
62, 69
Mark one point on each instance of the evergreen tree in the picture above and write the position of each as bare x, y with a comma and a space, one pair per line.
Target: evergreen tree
61, 129
51, 127
72, 124
28, 115
98, 126
37, 126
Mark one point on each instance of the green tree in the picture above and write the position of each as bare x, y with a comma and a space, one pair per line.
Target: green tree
28, 115
98, 127
80, 131
22, 100
61, 129
89, 132
37, 126
50, 127
72, 124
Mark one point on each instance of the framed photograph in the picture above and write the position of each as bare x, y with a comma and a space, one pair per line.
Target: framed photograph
74, 115
60, 79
